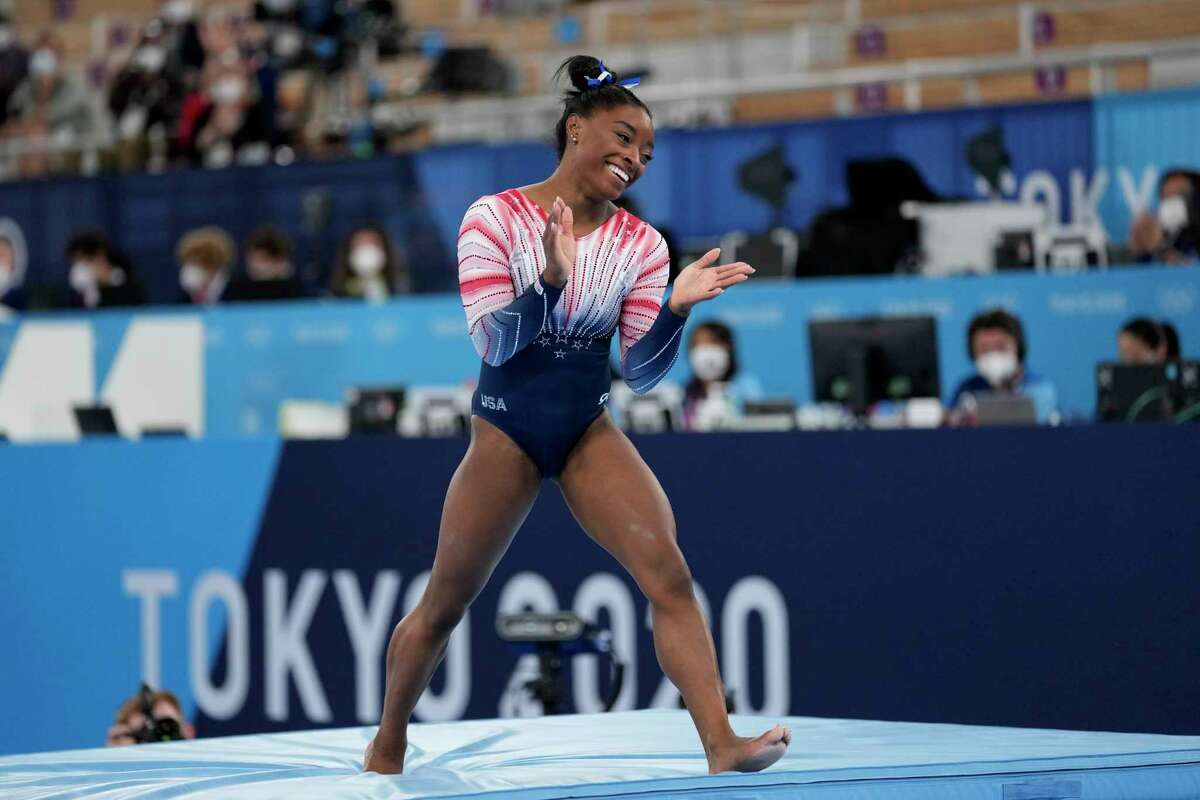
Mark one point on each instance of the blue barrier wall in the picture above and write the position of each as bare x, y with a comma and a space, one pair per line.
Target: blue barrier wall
1014, 577
1092, 156
259, 355
1136, 133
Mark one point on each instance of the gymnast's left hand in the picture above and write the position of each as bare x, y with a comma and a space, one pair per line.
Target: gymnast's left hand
700, 281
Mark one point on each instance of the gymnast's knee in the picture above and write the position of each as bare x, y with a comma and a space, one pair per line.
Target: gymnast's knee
436, 621
669, 582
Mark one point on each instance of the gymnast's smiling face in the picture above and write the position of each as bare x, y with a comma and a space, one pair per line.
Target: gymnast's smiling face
609, 150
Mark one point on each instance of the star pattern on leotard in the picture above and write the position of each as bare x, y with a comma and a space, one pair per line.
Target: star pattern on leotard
577, 344
544, 340
560, 338
560, 354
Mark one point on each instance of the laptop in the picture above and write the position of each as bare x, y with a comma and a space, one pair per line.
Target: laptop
95, 421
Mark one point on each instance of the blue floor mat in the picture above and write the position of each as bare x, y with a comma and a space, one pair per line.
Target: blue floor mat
632, 754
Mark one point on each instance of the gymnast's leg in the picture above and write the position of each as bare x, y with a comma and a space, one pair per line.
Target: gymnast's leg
619, 503
489, 497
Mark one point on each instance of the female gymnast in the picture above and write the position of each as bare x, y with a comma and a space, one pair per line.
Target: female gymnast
548, 272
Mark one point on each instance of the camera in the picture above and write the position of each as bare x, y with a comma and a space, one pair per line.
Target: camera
161, 729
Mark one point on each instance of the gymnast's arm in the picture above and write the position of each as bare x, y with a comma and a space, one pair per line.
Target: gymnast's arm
501, 323
650, 357
650, 330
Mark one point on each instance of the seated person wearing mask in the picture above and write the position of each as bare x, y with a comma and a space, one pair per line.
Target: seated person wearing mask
1142, 340
996, 343
206, 258
718, 388
1172, 235
368, 267
100, 277
132, 726
270, 274
12, 273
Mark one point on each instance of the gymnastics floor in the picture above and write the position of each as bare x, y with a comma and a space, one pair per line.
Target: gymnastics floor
652, 754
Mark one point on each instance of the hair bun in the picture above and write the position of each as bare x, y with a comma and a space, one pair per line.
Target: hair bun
580, 68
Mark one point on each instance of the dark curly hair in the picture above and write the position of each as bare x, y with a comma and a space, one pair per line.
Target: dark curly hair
585, 100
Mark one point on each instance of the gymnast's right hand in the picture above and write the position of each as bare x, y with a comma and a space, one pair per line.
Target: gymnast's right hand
559, 243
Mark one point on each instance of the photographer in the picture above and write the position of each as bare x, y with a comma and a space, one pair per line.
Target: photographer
149, 716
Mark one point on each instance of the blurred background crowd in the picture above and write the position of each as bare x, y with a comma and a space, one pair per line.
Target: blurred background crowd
94, 91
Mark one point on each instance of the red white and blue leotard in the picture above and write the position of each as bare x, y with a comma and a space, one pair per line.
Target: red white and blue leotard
545, 374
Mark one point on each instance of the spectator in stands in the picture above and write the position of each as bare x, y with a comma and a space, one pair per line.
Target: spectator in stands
130, 725
181, 37
1172, 235
12, 274
51, 111
996, 343
144, 96
270, 274
206, 257
100, 276
1142, 340
368, 266
231, 124
14, 63
718, 387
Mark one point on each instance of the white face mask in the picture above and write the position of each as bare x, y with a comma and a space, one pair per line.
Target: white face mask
1173, 214
367, 260
151, 58
228, 90
82, 277
709, 361
288, 43
997, 366
177, 11
43, 62
192, 278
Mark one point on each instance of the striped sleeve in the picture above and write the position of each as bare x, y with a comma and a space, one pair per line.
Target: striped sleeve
500, 323
650, 331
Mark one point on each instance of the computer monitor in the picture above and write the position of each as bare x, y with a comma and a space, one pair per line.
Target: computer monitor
1146, 392
860, 362
373, 409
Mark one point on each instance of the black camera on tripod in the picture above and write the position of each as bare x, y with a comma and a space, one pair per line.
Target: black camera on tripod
551, 637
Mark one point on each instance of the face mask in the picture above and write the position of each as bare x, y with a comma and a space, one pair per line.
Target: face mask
82, 277
367, 260
709, 361
151, 58
43, 62
288, 43
177, 11
192, 278
228, 90
6, 36
1172, 214
997, 366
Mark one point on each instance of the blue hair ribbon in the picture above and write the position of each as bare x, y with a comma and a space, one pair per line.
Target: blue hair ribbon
605, 77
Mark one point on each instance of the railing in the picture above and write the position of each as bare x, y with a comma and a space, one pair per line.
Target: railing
689, 101
531, 117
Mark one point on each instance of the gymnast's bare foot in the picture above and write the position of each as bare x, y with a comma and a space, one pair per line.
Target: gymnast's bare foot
746, 754
385, 762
